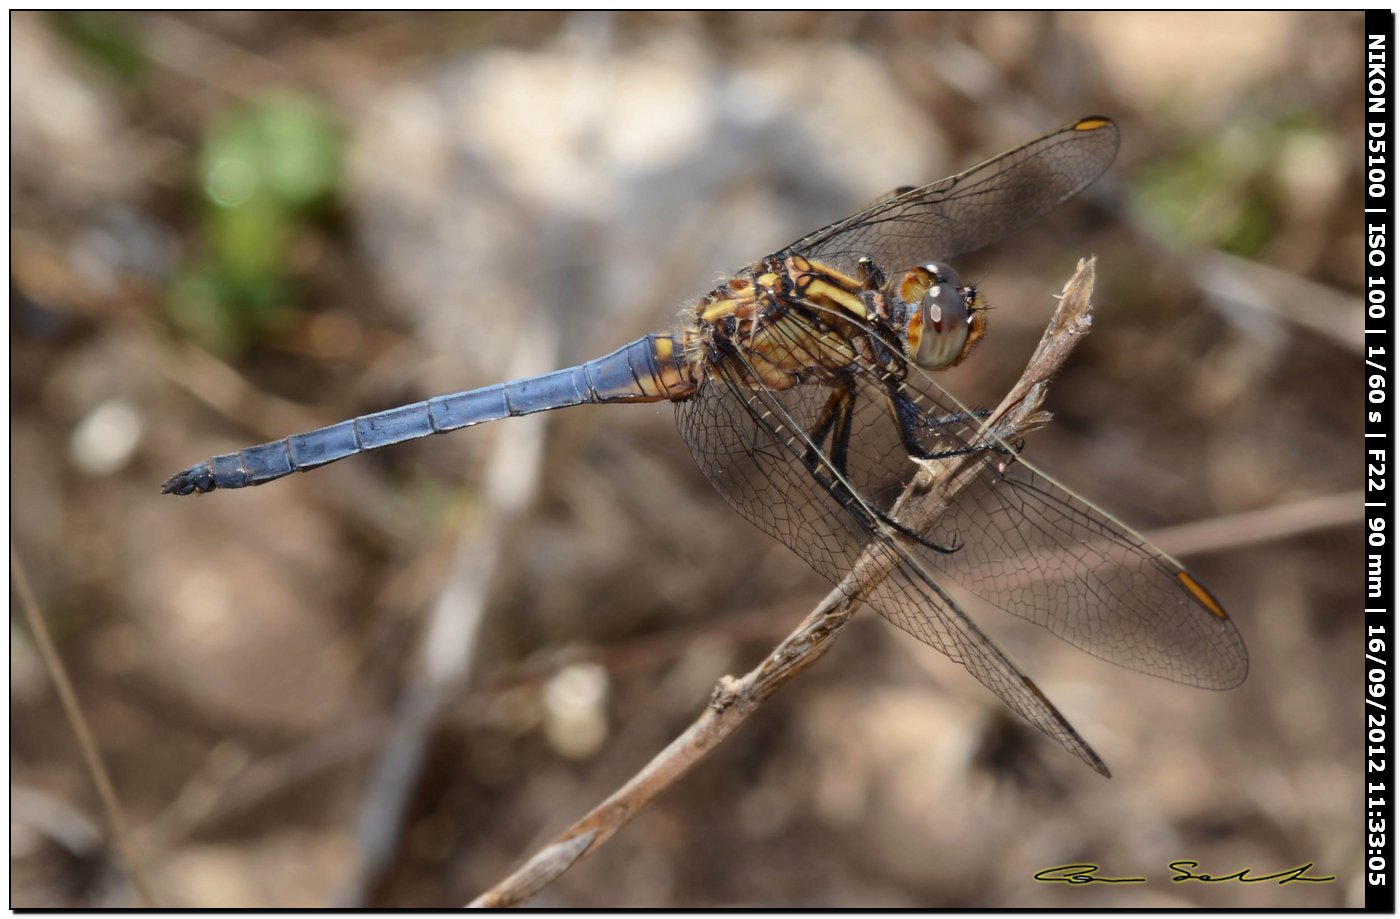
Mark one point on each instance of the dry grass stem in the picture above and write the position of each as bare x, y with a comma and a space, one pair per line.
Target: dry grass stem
72, 708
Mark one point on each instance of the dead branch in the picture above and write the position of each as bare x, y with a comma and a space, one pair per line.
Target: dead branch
923, 501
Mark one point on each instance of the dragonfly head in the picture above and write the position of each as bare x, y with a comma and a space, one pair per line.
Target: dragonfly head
946, 318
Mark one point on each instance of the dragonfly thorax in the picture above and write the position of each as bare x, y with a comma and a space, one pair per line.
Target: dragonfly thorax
944, 318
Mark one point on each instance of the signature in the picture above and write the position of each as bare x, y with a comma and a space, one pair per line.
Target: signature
1080, 874
1287, 875
1087, 873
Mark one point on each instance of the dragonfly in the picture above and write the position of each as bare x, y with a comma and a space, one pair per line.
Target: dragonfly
804, 386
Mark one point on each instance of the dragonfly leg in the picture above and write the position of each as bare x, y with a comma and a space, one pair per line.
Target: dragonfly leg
830, 471
835, 421
836, 414
910, 419
929, 422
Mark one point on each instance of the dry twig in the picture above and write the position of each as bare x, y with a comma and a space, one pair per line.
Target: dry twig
73, 709
923, 501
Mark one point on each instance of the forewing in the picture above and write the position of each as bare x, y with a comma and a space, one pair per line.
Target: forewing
972, 209
1035, 549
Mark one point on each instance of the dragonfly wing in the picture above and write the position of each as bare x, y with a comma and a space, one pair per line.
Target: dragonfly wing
750, 442
1035, 549
911, 599
1052, 558
972, 209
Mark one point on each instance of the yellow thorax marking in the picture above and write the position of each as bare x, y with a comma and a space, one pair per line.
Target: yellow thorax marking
825, 282
845, 299
816, 282
717, 309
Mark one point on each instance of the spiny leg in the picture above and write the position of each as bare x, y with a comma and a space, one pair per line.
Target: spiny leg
837, 411
835, 420
910, 419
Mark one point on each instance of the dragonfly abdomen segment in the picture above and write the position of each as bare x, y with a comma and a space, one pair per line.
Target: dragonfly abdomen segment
650, 369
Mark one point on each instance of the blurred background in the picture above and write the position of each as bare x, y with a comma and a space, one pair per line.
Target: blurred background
389, 682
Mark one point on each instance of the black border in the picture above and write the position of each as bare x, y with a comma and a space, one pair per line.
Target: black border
1379, 153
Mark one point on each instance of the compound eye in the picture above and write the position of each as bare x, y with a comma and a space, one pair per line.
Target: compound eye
950, 321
